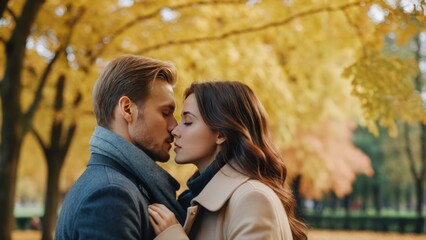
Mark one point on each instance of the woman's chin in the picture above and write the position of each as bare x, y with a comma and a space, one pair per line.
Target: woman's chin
180, 161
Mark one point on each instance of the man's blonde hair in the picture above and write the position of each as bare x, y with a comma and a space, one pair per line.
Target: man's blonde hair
130, 76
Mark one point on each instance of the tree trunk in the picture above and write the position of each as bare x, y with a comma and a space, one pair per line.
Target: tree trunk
419, 206
408, 199
333, 202
397, 198
52, 196
347, 204
422, 176
8, 173
365, 195
13, 127
419, 182
297, 197
55, 154
376, 197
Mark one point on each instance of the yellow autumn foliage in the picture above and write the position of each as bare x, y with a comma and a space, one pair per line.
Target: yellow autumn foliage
318, 66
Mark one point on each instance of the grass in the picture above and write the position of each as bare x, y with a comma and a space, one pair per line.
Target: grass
312, 235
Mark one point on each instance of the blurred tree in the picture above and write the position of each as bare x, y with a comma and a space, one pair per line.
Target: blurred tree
418, 161
330, 161
61, 134
15, 122
410, 146
372, 146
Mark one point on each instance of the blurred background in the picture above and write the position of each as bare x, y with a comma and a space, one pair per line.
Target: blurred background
343, 82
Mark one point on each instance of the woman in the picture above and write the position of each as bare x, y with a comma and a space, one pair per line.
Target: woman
238, 191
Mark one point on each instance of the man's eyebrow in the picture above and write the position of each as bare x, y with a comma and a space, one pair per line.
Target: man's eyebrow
170, 106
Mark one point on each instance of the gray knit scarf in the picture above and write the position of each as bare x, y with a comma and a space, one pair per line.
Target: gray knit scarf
160, 185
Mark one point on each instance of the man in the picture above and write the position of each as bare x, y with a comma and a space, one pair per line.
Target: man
134, 105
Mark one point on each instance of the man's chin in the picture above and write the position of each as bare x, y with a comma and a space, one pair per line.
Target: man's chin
162, 159
158, 157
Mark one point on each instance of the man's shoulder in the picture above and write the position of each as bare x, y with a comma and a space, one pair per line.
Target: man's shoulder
105, 182
99, 177
98, 188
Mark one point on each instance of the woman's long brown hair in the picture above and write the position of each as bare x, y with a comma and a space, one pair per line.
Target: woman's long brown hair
231, 108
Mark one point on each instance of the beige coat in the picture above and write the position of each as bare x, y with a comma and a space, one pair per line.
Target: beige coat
232, 206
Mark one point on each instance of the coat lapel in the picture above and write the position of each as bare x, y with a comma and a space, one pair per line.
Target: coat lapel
220, 188
215, 193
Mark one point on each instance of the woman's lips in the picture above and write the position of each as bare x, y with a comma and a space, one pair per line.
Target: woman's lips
177, 147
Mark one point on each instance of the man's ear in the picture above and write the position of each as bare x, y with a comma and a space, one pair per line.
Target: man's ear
220, 138
125, 107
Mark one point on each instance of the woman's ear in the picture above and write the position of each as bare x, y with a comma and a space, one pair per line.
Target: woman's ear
220, 138
125, 106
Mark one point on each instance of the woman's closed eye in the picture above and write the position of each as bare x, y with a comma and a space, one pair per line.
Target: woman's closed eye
187, 123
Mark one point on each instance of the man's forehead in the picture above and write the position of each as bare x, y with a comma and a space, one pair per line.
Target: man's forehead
162, 93
158, 86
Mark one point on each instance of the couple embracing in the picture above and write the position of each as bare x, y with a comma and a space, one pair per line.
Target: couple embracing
237, 192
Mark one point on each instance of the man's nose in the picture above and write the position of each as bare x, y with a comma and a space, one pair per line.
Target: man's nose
172, 124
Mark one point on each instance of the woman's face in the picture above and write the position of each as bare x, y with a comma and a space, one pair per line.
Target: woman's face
195, 142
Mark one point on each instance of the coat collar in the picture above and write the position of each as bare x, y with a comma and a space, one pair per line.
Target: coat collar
160, 184
220, 188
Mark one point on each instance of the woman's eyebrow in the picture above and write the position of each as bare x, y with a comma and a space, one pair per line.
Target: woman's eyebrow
188, 113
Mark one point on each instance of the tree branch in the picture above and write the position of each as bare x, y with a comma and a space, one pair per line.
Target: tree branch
15, 18
69, 137
71, 129
357, 31
151, 15
43, 79
39, 139
253, 29
15, 52
3, 6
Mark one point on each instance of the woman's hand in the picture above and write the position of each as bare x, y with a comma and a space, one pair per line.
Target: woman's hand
161, 217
